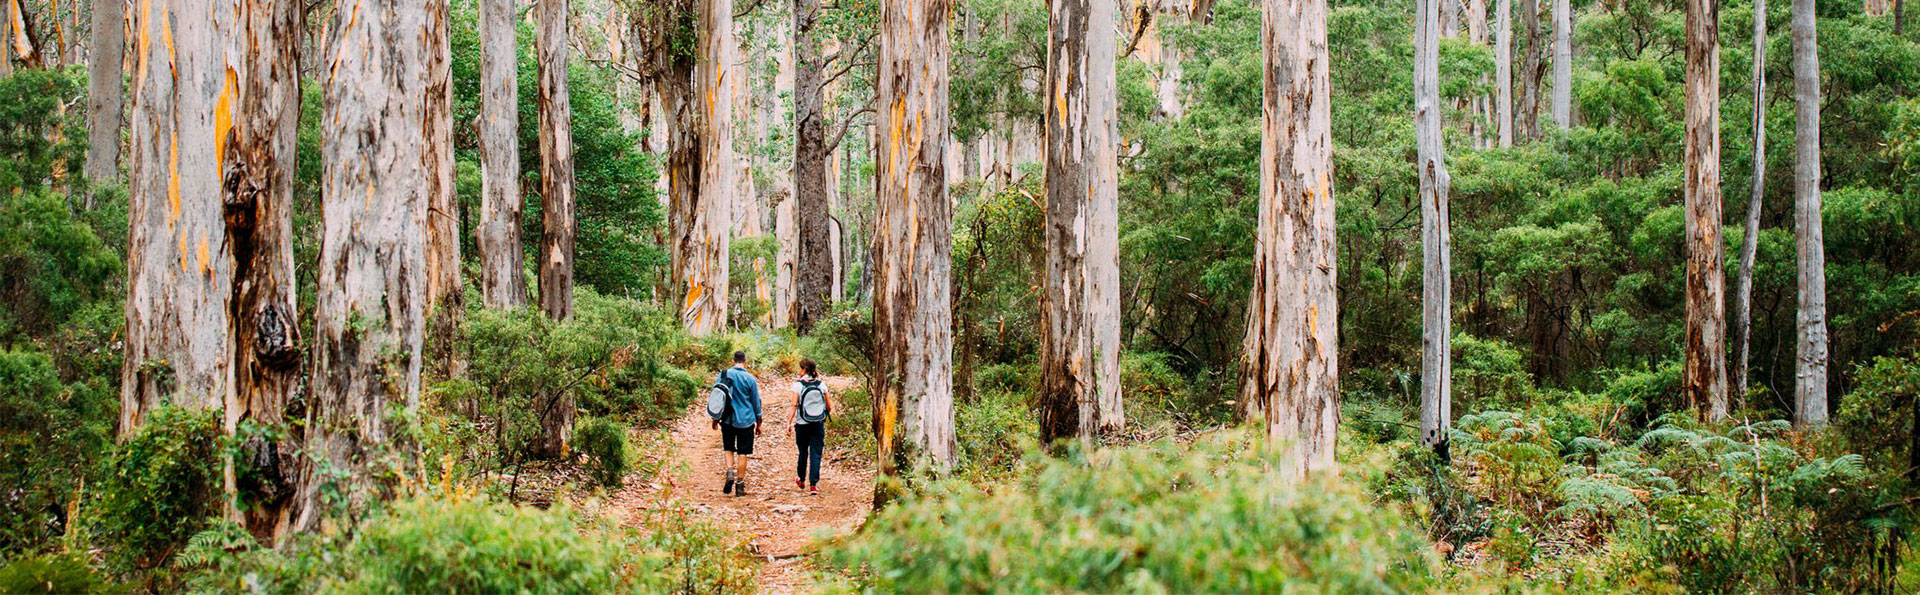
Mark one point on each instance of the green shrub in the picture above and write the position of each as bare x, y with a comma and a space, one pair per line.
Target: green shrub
604, 443
52, 574
1488, 374
994, 431
1209, 517
161, 487
1877, 417
51, 436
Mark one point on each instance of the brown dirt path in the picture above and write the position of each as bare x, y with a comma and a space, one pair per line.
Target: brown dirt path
778, 520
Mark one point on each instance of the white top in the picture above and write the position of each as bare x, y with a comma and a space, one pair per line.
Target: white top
797, 387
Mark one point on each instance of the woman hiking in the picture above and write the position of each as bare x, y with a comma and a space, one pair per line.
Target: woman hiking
812, 405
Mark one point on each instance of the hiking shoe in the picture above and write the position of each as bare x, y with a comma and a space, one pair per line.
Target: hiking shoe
728, 489
799, 483
813, 491
739, 488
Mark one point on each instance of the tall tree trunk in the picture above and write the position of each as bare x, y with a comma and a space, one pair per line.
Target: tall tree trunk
1531, 69
106, 90
1080, 296
1169, 89
705, 209
1750, 241
502, 280
556, 204
1562, 64
811, 152
556, 162
1503, 71
446, 295
1436, 362
1704, 379
1810, 346
369, 314
258, 191
11, 34
1292, 386
179, 265
912, 244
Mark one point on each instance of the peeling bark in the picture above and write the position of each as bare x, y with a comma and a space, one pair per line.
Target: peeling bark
811, 156
703, 175
1080, 295
369, 314
106, 90
446, 295
1704, 379
1810, 344
1436, 297
502, 280
1534, 66
1291, 384
556, 162
179, 263
912, 244
257, 189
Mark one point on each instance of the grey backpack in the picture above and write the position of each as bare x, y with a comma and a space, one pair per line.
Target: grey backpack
813, 402
720, 400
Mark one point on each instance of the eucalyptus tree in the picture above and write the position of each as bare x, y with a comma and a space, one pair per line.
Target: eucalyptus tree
1704, 377
1810, 344
1436, 369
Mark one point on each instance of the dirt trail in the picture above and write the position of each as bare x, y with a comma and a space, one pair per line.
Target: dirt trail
777, 519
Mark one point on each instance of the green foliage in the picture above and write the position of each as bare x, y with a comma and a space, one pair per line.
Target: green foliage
52, 264
438, 543
40, 133
1877, 417
1161, 518
750, 280
161, 487
607, 356
51, 574
604, 442
51, 434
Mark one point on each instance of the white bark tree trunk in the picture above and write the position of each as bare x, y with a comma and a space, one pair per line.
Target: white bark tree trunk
446, 295
912, 243
1750, 241
370, 309
258, 194
1080, 297
502, 280
179, 263
1436, 370
706, 243
1292, 385
1503, 71
1810, 345
1704, 379
1562, 64
106, 90
556, 162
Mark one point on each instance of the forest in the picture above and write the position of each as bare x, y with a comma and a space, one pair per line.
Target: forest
1156, 296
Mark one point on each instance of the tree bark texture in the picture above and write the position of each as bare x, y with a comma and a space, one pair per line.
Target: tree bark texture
446, 295
1436, 362
705, 210
502, 280
912, 243
556, 162
813, 260
106, 89
1704, 379
1533, 66
257, 187
1291, 385
1750, 241
370, 310
179, 265
1503, 71
1562, 64
1080, 295
1810, 345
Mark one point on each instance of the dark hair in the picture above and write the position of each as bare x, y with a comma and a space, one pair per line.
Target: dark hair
739, 357
807, 366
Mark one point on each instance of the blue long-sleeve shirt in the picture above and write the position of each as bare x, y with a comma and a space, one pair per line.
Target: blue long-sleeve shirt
746, 396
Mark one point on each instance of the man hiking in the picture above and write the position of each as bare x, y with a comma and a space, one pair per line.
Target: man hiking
739, 421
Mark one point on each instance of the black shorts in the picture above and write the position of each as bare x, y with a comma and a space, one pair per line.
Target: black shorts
736, 440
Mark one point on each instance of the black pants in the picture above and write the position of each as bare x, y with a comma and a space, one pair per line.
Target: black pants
812, 439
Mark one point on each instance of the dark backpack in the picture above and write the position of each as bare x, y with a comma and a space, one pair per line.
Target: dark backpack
813, 402
720, 399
